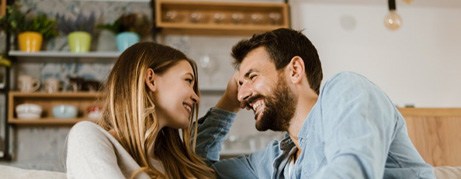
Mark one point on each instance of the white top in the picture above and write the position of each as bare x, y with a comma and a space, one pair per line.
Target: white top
92, 152
290, 165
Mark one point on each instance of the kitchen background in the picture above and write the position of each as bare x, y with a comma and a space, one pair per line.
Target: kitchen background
416, 65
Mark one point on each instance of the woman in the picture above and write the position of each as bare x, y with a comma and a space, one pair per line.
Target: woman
150, 101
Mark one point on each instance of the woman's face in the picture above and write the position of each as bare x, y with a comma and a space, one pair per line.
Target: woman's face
175, 96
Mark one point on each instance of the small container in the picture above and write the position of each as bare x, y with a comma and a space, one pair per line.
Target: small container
28, 111
94, 112
65, 111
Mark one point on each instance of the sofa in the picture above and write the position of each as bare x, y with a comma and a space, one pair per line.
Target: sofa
19, 173
445, 172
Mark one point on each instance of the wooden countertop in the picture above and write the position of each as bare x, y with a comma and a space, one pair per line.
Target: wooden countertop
430, 111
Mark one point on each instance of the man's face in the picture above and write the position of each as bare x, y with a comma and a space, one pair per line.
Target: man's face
264, 90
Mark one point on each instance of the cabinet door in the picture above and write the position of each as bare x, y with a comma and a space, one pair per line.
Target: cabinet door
435, 133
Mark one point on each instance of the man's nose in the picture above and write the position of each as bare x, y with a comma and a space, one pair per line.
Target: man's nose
244, 92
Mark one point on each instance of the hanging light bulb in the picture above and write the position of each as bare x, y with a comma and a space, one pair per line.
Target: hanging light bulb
392, 21
408, 1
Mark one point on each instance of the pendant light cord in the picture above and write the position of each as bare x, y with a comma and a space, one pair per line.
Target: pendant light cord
392, 6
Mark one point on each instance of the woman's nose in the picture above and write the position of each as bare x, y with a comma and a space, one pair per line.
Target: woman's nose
195, 97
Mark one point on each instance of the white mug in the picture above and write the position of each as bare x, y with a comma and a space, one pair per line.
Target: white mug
52, 85
28, 84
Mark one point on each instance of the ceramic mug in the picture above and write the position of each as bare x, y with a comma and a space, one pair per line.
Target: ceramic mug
27, 83
52, 85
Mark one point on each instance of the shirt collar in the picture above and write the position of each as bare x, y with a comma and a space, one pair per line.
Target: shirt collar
286, 144
308, 123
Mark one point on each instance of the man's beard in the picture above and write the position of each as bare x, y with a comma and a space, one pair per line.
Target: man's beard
279, 109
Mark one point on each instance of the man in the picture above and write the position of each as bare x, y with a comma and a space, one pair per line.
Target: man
349, 129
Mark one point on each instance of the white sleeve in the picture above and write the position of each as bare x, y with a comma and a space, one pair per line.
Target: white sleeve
90, 154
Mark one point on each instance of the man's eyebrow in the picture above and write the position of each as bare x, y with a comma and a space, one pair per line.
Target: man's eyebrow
247, 74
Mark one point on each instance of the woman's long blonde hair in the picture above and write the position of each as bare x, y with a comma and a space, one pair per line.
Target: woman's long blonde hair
129, 113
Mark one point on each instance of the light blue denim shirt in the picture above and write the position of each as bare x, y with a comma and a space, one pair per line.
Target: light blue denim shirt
353, 131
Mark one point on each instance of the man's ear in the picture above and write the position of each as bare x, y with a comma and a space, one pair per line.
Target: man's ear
296, 69
150, 79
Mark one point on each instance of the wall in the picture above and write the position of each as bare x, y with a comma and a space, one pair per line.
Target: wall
44, 147
418, 64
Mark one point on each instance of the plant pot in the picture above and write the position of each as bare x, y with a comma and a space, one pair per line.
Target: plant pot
79, 41
30, 41
126, 39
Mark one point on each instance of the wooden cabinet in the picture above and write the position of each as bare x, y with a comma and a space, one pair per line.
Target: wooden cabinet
82, 100
436, 134
220, 18
48, 100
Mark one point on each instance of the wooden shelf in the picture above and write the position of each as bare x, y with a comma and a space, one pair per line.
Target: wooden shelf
65, 54
56, 95
212, 89
44, 121
82, 100
220, 18
59, 56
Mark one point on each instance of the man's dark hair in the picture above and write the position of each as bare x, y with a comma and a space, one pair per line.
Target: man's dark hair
282, 45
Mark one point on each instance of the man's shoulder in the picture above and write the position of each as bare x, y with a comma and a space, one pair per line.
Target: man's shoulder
346, 76
344, 80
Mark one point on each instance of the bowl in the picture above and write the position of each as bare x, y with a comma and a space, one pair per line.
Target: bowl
65, 111
28, 111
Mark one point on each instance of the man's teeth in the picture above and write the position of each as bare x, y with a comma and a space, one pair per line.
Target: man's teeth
257, 105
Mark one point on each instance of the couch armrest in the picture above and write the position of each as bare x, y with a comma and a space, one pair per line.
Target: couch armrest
447, 172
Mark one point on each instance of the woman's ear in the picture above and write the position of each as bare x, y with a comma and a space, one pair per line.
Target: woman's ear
150, 79
296, 69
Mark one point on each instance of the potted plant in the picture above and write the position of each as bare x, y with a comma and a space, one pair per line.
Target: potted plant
32, 29
128, 28
79, 31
